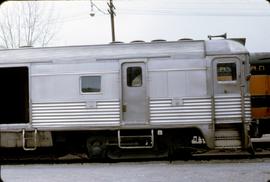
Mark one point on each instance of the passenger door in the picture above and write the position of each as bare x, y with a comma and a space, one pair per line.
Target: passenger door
134, 98
226, 76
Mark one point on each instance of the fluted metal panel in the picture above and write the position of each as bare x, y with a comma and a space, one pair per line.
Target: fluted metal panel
79, 114
199, 110
192, 110
229, 108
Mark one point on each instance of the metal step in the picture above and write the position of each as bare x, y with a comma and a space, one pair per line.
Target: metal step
138, 141
29, 140
227, 139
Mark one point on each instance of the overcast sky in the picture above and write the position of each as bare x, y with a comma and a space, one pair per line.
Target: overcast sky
164, 19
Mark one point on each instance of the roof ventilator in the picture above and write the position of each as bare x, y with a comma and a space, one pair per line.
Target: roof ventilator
224, 36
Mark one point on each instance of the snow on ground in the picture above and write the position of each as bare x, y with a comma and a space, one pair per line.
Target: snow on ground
203, 171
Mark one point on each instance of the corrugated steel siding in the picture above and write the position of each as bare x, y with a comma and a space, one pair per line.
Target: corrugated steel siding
192, 110
162, 112
198, 110
229, 109
79, 114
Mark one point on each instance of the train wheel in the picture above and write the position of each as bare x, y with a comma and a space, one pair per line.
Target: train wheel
179, 148
96, 147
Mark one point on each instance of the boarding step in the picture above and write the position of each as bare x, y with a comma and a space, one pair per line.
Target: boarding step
135, 139
227, 139
29, 139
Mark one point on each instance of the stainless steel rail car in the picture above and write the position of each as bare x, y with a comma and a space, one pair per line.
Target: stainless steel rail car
130, 96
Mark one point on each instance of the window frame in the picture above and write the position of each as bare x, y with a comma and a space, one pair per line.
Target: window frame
227, 81
90, 93
141, 79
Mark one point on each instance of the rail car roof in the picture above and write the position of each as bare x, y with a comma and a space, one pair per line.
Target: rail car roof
116, 51
260, 58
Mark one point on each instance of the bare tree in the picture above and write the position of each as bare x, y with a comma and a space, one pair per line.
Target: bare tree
26, 24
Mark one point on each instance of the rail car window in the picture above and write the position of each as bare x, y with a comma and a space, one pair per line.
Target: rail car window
90, 84
134, 76
226, 72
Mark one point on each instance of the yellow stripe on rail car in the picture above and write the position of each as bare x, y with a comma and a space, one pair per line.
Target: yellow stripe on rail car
260, 85
260, 112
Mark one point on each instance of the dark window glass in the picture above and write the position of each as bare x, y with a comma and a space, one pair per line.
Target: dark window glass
134, 76
90, 84
226, 71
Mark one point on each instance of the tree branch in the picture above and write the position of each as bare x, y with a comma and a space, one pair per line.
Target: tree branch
26, 23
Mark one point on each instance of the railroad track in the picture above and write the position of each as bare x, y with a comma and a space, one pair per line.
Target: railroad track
82, 158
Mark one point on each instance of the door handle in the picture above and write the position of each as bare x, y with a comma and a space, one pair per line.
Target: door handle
124, 108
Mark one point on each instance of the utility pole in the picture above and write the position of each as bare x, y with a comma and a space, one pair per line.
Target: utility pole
112, 14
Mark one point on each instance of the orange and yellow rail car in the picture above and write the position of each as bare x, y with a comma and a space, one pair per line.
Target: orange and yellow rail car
260, 92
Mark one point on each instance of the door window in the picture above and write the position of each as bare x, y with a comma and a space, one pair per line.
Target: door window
226, 72
134, 77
